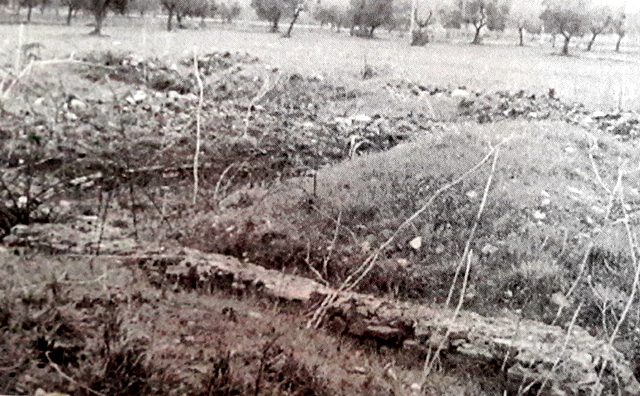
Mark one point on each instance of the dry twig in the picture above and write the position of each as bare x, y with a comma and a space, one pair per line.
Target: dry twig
354, 278
467, 246
70, 379
198, 110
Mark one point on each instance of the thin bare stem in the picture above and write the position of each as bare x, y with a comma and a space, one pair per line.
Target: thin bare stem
559, 359
362, 271
198, 110
222, 175
583, 265
325, 262
467, 245
70, 379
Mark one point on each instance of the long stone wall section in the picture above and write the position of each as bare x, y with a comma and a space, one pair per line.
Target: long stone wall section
527, 353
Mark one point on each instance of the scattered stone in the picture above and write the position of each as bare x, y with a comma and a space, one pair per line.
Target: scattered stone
416, 243
460, 93
560, 300
489, 249
77, 106
361, 118
69, 116
139, 96
20, 230
358, 370
538, 215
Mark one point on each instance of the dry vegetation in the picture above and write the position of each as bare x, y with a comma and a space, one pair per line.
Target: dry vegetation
304, 172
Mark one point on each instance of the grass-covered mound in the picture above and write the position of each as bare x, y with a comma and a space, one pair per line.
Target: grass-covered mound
545, 207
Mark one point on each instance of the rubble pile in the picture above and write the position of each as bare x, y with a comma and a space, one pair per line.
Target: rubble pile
486, 107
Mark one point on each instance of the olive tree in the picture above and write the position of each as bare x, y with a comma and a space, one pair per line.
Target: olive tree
29, 5
274, 10
73, 6
569, 18
368, 15
420, 35
600, 20
484, 13
99, 9
229, 12
183, 8
525, 18
619, 26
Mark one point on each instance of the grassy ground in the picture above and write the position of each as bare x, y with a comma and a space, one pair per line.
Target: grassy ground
550, 227
601, 81
108, 329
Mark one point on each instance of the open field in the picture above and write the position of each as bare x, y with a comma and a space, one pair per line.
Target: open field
450, 181
603, 80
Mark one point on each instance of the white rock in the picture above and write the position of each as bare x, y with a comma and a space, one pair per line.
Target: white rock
191, 97
416, 243
361, 118
38, 102
560, 300
538, 215
598, 114
70, 116
173, 95
533, 115
139, 96
472, 194
546, 202
342, 120
254, 315
460, 93
586, 121
570, 150
489, 249
77, 105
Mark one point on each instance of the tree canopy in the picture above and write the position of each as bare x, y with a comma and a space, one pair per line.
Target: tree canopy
368, 15
566, 17
481, 13
99, 9
274, 10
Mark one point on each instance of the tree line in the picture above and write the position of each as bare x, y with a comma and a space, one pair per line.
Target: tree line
566, 19
175, 9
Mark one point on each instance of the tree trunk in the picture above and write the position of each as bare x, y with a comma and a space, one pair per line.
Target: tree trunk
553, 40
373, 28
170, 19
593, 39
69, 15
521, 34
476, 37
620, 37
29, 13
179, 19
99, 15
274, 24
565, 47
293, 21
